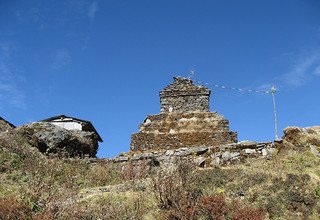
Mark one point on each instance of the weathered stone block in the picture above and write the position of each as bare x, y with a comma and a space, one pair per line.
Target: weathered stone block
216, 161
120, 159
250, 151
200, 161
144, 141
226, 155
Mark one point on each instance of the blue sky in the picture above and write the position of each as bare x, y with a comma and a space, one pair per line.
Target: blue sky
106, 61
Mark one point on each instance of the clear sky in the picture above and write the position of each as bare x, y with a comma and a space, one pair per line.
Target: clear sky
106, 61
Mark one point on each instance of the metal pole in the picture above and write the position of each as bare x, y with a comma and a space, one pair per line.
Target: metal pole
273, 91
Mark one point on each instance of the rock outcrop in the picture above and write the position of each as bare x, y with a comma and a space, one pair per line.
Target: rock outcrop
5, 125
303, 138
52, 139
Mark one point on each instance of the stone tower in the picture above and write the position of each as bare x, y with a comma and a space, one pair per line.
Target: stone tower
184, 121
183, 96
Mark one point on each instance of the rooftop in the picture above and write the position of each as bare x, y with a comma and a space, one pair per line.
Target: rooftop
67, 118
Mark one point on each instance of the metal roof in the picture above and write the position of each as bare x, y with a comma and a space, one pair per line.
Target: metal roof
92, 128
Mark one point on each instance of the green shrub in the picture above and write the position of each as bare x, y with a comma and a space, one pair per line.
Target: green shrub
317, 192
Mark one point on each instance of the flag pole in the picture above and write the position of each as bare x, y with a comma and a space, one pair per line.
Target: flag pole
273, 92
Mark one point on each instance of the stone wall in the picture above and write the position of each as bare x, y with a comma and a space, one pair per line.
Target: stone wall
185, 103
174, 130
202, 156
184, 122
187, 139
183, 96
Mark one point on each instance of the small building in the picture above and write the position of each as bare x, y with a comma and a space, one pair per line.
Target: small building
5, 125
71, 123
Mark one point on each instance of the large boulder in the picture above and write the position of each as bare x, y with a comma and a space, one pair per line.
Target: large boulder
52, 139
302, 137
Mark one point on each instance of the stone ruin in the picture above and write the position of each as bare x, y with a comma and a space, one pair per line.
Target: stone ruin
184, 121
183, 96
185, 129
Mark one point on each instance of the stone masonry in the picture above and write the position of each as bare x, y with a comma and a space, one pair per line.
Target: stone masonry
184, 120
202, 156
183, 96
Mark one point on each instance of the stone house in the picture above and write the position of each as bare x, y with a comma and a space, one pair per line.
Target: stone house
73, 124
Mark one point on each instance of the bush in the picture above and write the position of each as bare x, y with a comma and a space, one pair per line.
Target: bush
176, 192
180, 198
242, 212
13, 208
214, 206
134, 170
317, 192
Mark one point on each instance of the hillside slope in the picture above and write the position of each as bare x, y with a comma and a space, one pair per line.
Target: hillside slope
285, 186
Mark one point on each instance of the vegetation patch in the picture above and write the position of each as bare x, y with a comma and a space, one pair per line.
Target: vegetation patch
34, 186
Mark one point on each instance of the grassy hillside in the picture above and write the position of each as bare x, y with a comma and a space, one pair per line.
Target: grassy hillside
34, 186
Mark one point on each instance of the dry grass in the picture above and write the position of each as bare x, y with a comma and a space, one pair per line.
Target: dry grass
37, 187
